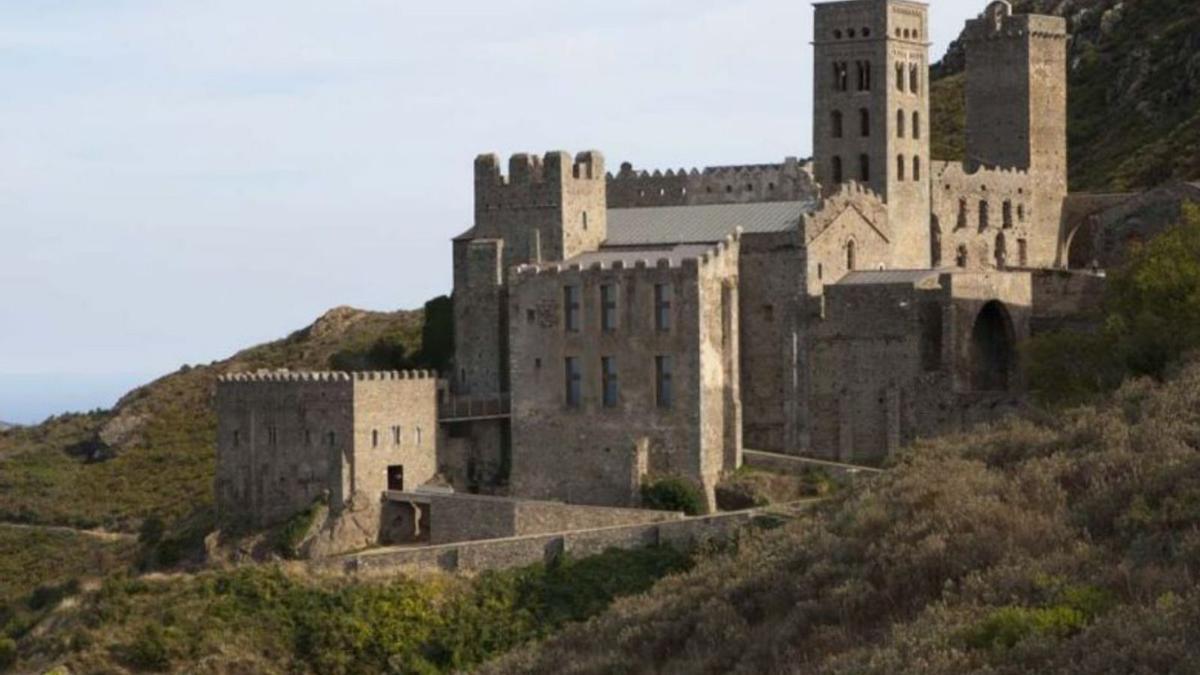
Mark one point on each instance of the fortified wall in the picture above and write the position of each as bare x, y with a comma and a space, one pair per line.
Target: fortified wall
791, 181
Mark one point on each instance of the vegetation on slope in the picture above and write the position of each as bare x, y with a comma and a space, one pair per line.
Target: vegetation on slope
1134, 92
267, 620
1153, 320
1070, 545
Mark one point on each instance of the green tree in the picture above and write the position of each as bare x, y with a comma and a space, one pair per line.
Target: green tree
1154, 300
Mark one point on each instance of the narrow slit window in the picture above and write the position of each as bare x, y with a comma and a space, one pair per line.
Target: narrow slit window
900, 123
608, 307
864, 168
662, 307
864, 122
663, 393
838, 123
916, 125
916, 174
900, 167
571, 308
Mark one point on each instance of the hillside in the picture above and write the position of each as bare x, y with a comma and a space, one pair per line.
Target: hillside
1134, 92
1070, 545
152, 454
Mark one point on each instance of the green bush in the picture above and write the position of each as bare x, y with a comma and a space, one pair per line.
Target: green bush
150, 650
1006, 627
674, 494
290, 536
8, 653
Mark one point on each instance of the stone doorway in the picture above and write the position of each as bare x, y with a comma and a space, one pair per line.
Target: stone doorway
395, 476
993, 349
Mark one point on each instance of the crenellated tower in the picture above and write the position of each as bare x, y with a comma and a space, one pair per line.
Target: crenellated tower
871, 111
547, 209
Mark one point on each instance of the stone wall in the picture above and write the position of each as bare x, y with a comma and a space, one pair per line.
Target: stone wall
897, 359
1067, 301
459, 518
474, 557
597, 454
994, 218
790, 181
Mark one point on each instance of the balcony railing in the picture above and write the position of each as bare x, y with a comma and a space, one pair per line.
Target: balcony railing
466, 408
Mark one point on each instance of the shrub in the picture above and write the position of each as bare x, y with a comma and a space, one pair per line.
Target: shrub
674, 494
1006, 627
8, 653
149, 650
291, 535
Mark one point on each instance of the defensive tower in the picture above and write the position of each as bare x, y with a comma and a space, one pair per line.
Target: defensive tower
1017, 93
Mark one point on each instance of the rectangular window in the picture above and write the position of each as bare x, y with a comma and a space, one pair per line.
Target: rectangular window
662, 307
663, 393
608, 371
608, 308
571, 308
374, 438
574, 382
397, 435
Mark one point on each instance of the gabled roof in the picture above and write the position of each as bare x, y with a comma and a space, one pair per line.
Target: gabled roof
700, 224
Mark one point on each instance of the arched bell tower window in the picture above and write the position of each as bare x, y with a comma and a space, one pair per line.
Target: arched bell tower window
850, 256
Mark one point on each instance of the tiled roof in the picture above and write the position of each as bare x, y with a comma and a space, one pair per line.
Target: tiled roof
631, 255
700, 224
867, 277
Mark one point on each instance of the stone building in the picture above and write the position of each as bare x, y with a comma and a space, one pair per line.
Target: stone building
615, 327
286, 440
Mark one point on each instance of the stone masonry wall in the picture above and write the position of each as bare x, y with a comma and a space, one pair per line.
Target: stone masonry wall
458, 518
790, 181
594, 454
285, 439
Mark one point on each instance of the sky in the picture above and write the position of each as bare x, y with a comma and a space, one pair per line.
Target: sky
180, 180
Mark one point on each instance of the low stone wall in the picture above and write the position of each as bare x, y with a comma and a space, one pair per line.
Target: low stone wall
459, 518
769, 461
478, 556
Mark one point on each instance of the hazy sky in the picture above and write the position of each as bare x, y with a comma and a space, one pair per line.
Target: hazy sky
183, 179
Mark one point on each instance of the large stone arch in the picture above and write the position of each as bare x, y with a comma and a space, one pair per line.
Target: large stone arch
993, 352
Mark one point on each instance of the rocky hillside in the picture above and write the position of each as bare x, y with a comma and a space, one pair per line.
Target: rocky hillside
152, 455
1134, 92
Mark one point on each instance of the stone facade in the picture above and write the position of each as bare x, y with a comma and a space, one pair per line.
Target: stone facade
625, 364
791, 181
285, 440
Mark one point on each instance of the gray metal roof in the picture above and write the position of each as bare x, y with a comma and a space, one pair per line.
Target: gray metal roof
651, 254
700, 224
908, 277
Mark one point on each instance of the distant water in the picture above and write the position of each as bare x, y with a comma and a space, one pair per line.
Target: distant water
30, 399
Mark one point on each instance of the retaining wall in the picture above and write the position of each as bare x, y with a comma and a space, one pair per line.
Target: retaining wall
498, 554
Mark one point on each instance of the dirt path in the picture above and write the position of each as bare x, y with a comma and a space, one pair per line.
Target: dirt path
102, 535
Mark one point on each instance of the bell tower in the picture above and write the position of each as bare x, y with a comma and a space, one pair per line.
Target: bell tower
871, 107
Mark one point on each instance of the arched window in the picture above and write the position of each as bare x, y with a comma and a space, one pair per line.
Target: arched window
916, 126
900, 123
838, 175
1001, 251
899, 77
866, 76
838, 124
864, 168
850, 261
985, 212
916, 169
841, 76
900, 165
914, 78
961, 258
962, 215
864, 121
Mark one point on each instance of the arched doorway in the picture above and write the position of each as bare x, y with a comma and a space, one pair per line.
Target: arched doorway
993, 349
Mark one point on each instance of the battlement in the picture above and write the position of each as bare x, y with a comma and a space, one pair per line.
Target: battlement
554, 168
279, 376
960, 171
999, 23
790, 180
